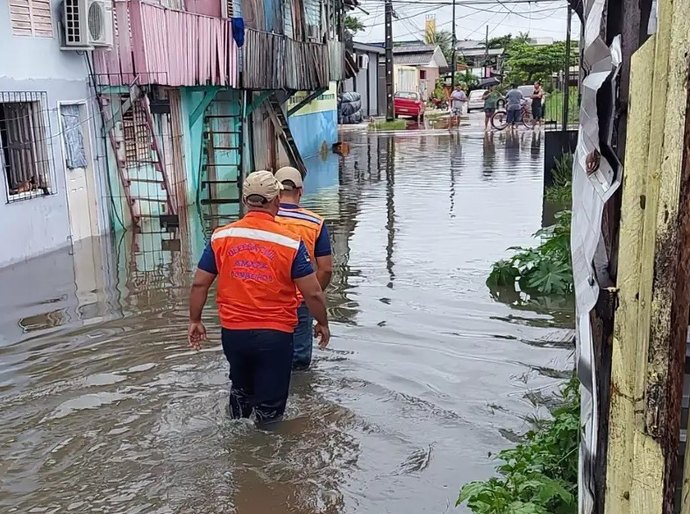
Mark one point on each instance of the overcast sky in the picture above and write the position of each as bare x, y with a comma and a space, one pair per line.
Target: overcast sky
539, 19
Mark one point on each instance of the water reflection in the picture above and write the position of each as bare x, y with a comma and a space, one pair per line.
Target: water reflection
104, 408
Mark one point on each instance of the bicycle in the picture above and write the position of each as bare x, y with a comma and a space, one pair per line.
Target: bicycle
499, 120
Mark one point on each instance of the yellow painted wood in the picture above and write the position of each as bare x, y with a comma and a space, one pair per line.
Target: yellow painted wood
627, 369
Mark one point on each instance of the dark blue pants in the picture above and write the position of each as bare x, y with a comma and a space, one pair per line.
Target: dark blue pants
260, 369
304, 338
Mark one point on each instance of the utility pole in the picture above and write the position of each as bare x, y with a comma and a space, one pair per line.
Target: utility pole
390, 110
486, 53
454, 63
566, 72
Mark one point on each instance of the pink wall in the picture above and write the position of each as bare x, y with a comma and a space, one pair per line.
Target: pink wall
168, 47
205, 7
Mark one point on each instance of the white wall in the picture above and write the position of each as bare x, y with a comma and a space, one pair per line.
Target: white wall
32, 227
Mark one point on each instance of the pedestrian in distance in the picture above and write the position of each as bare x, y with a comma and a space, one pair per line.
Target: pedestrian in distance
538, 104
310, 227
491, 98
458, 99
258, 263
514, 100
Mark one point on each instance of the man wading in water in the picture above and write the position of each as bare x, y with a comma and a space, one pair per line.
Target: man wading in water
311, 229
258, 263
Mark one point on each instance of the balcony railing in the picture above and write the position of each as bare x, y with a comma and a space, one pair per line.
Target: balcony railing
167, 47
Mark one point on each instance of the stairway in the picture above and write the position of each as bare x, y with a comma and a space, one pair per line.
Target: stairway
219, 192
139, 159
275, 111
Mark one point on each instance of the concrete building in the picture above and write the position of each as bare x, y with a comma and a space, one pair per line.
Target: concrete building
370, 81
427, 61
50, 193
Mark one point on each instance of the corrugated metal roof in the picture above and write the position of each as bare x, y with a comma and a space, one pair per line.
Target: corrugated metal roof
420, 59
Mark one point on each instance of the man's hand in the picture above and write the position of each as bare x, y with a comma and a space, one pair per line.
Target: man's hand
323, 333
196, 334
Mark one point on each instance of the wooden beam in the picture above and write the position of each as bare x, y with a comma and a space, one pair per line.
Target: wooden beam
256, 102
307, 99
654, 277
209, 95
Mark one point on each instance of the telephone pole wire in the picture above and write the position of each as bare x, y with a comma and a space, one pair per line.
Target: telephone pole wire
390, 108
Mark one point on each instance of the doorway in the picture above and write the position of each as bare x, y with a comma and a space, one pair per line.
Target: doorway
78, 165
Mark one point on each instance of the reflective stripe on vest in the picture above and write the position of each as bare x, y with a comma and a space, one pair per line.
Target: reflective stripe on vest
304, 223
254, 257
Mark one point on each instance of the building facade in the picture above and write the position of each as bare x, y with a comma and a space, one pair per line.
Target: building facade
370, 81
51, 190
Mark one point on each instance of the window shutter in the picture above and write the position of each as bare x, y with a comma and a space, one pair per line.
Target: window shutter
31, 18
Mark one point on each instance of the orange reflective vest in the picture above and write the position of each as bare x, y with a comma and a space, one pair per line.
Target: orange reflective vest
254, 257
304, 223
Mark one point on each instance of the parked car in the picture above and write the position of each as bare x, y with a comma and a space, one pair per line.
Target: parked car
527, 91
408, 104
475, 100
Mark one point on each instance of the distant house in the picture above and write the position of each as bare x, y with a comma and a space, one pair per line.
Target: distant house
481, 62
417, 67
370, 80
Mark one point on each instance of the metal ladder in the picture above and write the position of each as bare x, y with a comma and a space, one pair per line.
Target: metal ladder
143, 191
275, 111
220, 184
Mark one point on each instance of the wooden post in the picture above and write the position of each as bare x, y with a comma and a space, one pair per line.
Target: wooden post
653, 276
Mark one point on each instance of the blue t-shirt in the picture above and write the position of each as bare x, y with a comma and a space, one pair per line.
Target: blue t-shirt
301, 266
514, 100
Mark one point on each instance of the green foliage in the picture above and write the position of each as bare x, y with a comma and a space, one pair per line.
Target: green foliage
353, 24
538, 476
389, 125
466, 79
442, 38
553, 106
527, 63
544, 270
560, 192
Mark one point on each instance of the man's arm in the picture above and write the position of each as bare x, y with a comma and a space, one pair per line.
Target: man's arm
199, 293
305, 279
203, 278
324, 259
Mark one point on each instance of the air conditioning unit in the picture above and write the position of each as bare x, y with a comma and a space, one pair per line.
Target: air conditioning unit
227, 8
88, 23
362, 61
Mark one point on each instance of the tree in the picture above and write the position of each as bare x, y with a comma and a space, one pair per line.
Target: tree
526, 63
499, 42
353, 24
443, 39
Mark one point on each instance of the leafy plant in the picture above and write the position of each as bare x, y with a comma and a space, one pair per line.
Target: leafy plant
538, 476
354, 24
544, 270
560, 191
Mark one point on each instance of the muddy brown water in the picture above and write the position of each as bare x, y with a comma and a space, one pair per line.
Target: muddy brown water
104, 409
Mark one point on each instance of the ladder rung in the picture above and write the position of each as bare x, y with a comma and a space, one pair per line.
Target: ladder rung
222, 132
144, 199
219, 181
146, 180
219, 165
216, 116
205, 201
225, 148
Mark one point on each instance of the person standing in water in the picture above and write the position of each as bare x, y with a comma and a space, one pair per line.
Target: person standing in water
258, 264
490, 97
514, 101
310, 227
458, 99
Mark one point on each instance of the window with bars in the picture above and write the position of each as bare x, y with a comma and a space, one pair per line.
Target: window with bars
31, 18
25, 157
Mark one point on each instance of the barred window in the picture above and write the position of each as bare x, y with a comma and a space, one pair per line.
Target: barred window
31, 18
24, 145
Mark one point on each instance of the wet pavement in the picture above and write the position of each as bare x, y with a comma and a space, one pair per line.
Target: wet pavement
104, 409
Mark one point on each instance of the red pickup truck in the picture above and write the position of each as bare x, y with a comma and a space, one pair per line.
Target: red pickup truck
408, 104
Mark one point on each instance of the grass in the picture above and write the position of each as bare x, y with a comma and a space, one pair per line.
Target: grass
388, 125
553, 107
560, 192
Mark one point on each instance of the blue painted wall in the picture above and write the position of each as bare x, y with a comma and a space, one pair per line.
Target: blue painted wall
312, 131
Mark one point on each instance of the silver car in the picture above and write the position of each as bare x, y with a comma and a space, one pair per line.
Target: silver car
475, 100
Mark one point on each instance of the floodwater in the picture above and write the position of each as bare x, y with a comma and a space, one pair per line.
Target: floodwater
104, 409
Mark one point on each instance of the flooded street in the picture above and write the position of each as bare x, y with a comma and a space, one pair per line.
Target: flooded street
104, 409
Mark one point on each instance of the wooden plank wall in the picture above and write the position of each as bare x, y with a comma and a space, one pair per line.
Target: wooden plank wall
274, 61
168, 47
653, 275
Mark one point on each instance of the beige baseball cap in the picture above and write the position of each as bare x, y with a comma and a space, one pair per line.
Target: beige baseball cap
288, 173
262, 184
